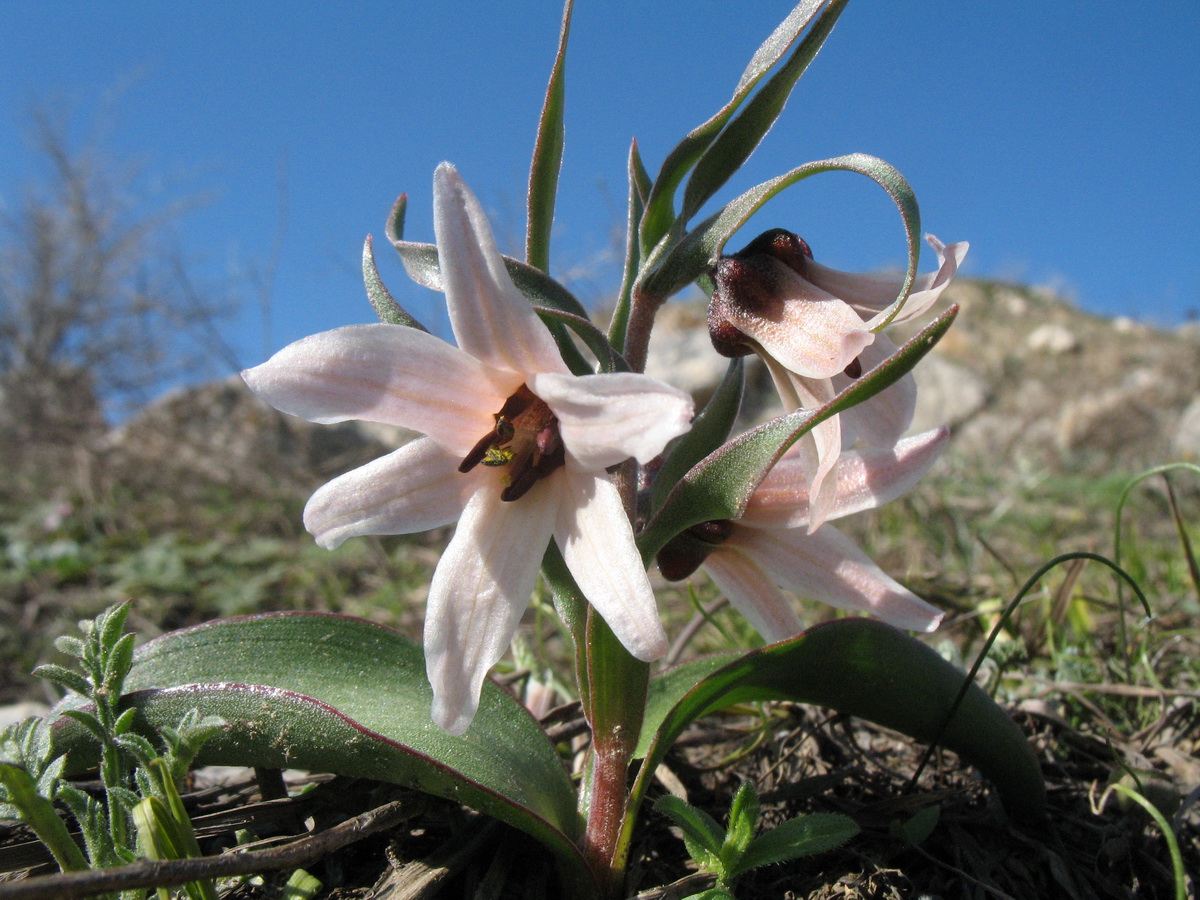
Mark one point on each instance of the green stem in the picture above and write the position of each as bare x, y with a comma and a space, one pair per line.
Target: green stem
617, 692
643, 309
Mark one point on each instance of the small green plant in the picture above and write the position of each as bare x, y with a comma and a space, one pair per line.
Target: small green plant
142, 812
730, 853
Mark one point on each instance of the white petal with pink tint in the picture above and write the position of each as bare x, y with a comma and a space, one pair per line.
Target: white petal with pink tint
883, 419
415, 488
809, 331
864, 479
871, 294
828, 567
491, 319
597, 544
752, 593
385, 373
606, 419
479, 591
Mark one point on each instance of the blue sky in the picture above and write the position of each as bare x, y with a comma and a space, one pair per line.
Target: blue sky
1059, 138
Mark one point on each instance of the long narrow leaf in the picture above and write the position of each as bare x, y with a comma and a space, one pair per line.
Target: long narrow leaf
659, 207
865, 668
639, 190
547, 157
746, 130
684, 261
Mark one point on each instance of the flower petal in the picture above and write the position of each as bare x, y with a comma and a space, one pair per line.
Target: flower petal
597, 544
819, 449
385, 373
491, 319
810, 331
412, 489
480, 588
753, 593
828, 567
865, 479
605, 419
871, 294
881, 420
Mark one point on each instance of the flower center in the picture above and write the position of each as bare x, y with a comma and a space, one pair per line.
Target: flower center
524, 440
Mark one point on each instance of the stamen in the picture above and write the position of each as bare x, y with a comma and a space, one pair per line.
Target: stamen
525, 441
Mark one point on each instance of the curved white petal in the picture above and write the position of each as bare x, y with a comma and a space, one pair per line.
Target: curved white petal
828, 567
480, 588
883, 419
597, 544
753, 594
872, 294
605, 419
412, 489
385, 373
809, 331
865, 479
491, 319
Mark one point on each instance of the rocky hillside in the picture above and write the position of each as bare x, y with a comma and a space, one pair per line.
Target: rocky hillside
1025, 378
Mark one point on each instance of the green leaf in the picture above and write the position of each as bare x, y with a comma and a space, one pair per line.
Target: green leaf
865, 668
667, 688
704, 835
71, 646
659, 214
116, 664
39, 814
547, 157
639, 190
720, 485
742, 135
595, 339
111, 623
386, 308
743, 819
801, 836
337, 694
89, 722
710, 428
918, 827
572, 607
64, 677
672, 269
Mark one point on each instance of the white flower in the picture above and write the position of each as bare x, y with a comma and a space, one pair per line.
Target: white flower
515, 452
812, 327
769, 550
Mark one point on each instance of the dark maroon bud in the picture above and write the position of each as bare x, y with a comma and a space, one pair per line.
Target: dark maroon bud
680, 557
716, 531
725, 337
854, 370
790, 249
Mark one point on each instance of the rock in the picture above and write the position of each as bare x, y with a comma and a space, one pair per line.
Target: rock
221, 433
1052, 338
19, 712
947, 393
1186, 442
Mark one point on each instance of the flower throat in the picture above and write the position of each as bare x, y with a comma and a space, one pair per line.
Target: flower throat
525, 439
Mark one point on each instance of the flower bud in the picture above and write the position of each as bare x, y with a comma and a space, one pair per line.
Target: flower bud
753, 282
685, 552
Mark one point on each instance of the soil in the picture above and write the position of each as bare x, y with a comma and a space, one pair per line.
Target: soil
800, 759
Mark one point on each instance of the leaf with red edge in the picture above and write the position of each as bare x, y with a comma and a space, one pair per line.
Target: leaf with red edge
338, 694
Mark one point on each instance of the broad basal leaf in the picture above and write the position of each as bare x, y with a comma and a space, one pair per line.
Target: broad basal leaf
338, 694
